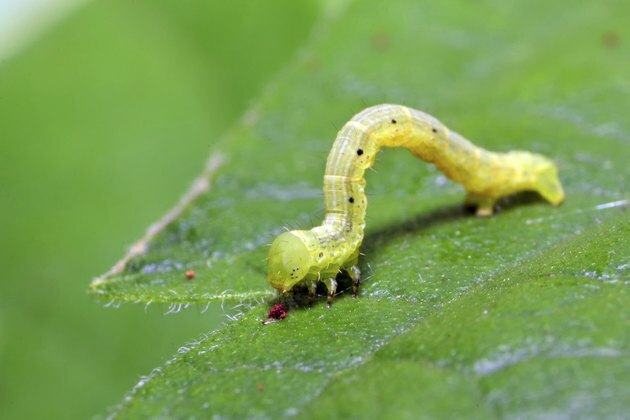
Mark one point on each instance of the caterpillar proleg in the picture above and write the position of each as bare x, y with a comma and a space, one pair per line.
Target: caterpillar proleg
310, 256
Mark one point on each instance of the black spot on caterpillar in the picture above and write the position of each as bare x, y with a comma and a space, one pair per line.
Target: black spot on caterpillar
319, 254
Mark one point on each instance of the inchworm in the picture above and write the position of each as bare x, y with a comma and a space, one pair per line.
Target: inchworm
310, 256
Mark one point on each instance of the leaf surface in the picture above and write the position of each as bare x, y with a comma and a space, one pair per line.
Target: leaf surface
518, 315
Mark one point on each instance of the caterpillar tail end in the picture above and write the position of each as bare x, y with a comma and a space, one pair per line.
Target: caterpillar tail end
548, 185
542, 178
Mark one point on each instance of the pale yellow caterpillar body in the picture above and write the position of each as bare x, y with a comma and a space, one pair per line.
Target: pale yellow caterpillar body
310, 256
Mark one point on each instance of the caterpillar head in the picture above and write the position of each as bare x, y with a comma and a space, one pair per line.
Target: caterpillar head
289, 261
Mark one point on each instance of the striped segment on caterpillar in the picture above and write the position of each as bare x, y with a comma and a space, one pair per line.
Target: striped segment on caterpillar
310, 256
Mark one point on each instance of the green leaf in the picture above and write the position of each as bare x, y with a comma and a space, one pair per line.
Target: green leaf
520, 315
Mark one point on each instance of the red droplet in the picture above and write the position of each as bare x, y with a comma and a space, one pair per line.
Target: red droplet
190, 274
277, 311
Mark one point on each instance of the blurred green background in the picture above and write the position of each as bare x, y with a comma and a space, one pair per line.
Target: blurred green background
105, 120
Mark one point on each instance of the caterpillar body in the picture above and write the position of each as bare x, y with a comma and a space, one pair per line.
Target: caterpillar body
310, 256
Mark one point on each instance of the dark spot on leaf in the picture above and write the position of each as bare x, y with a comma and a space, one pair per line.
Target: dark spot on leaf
611, 39
360, 152
380, 41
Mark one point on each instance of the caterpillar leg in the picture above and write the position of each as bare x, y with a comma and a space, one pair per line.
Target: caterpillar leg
351, 266
312, 291
483, 204
331, 285
355, 275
